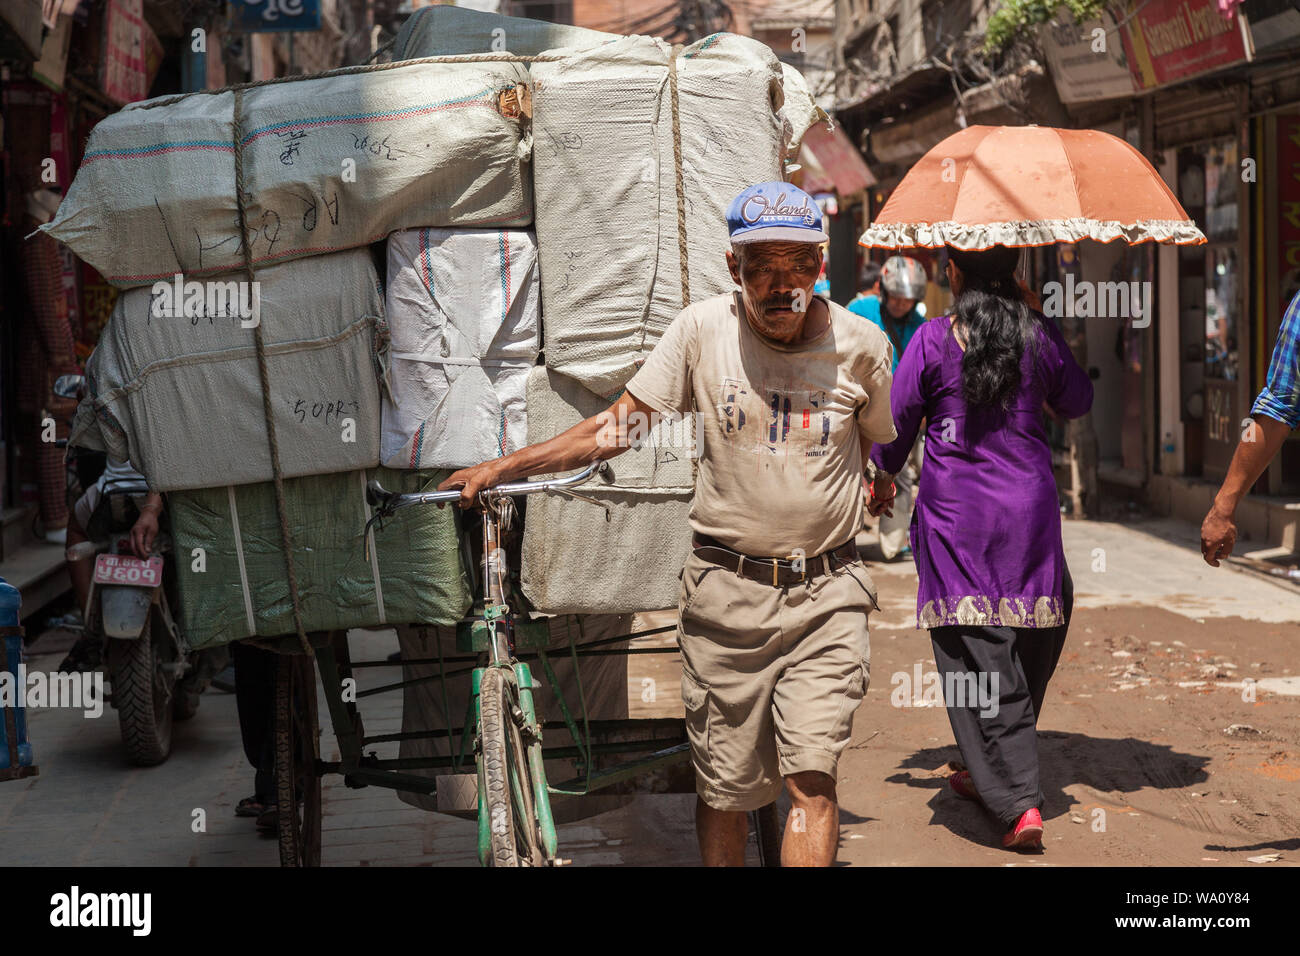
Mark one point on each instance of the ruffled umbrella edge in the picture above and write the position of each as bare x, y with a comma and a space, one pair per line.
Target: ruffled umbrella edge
1042, 232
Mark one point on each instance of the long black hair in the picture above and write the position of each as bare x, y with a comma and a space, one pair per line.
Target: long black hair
996, 323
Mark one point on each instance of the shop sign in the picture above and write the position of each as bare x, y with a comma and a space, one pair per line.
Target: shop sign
1288, 204
269, 16
1168, 41
1087, 59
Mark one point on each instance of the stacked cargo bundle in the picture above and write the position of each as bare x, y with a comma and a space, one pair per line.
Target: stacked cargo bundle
251, 348
638, 149
619, 547
284, 187
463, 313
321, 164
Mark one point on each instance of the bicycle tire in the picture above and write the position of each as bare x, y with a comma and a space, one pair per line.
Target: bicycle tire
297, 740
512, 823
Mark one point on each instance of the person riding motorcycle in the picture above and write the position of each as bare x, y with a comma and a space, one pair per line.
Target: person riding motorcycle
95, 515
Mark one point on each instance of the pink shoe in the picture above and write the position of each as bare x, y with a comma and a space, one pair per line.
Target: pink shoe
1027, 834
962, 786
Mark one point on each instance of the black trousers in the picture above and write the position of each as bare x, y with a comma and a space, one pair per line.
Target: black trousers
255, 701
999, 744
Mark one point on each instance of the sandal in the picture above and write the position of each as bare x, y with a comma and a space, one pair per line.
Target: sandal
250, 807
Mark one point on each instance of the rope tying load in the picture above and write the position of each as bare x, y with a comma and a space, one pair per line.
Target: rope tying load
286, 535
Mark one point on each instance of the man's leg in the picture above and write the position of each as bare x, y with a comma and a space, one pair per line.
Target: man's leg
255, 705
812, 831
826, 671
722, 834
730, 644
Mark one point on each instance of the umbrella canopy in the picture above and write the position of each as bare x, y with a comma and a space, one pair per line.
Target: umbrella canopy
1030, 186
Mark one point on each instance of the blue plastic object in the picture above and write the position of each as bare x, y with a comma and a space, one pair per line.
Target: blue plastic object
15, 752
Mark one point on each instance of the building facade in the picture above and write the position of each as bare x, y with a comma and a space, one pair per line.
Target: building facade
1211, 102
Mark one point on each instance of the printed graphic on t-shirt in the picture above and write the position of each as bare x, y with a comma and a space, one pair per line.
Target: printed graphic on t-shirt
776, 422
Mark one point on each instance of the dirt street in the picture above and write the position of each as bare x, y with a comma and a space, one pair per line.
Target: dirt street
1152, 751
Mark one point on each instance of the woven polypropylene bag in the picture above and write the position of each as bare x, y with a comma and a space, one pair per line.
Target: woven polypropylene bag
463, 315
329, 162
445, 30
181, 397
800, 110
620, 546
412, 574
605, 179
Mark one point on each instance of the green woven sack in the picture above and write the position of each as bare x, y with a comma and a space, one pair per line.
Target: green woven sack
236, 586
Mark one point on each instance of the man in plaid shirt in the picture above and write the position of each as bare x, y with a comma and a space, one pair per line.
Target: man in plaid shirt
1276, 411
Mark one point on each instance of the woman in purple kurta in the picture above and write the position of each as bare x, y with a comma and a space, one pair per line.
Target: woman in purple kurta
986, 531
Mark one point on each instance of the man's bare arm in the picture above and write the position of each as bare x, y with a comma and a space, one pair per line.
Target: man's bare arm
599, 437
1219, 530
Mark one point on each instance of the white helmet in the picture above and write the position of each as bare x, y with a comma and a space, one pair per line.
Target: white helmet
904, 278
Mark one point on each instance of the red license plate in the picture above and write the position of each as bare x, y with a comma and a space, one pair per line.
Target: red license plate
128, 570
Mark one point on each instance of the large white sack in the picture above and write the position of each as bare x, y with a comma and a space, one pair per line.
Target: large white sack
799, 111
181, 398
446, 30
330, 162
604, 174
462, 315
575, 559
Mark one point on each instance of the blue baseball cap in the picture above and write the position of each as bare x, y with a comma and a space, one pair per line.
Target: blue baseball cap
775, 212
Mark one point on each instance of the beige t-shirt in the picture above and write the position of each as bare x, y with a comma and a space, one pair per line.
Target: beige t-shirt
781, 463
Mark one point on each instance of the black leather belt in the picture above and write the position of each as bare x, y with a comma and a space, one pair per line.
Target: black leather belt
778, 572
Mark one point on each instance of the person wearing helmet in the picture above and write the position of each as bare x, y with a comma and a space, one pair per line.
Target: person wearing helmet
897, 310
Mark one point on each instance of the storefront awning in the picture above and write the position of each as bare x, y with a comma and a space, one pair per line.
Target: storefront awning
833, 163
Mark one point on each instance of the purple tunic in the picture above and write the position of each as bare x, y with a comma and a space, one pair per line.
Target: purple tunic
986, 530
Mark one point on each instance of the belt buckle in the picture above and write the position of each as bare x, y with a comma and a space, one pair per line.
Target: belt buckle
803, 568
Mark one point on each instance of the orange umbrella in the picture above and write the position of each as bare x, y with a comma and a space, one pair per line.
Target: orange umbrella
1030, 186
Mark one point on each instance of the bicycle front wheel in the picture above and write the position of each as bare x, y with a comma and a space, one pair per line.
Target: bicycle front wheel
507, 789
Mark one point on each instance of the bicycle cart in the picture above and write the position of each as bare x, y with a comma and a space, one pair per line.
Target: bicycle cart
502, 738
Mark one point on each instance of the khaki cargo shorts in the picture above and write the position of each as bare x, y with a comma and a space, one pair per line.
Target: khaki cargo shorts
771, 676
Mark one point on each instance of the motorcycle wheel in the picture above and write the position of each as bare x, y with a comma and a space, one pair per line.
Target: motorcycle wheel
142, 694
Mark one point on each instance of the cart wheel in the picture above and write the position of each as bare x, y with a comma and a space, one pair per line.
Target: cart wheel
512, 820
297, 746
767, 826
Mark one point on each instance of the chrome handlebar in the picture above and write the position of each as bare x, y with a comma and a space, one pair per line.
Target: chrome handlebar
386, 502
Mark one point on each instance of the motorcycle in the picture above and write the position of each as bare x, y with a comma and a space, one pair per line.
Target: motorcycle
155, 678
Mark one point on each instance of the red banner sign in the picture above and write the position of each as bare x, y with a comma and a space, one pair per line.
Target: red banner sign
1171, 40
1288, 205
